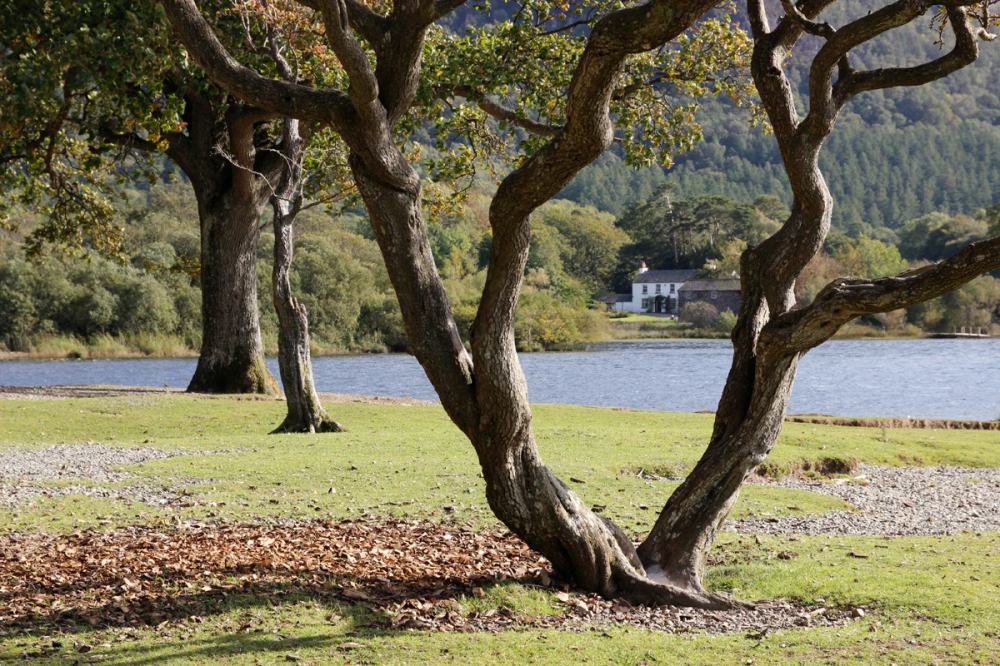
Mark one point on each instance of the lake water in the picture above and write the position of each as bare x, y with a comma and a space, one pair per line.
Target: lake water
957, 379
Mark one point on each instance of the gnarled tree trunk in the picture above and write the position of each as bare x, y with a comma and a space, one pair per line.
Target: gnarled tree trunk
488, 399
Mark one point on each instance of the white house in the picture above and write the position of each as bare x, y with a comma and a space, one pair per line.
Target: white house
652, 291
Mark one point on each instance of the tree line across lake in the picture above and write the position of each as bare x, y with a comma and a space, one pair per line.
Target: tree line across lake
150, 303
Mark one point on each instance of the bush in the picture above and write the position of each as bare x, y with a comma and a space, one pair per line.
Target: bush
726, 321
144, 306
699, 313
546, 323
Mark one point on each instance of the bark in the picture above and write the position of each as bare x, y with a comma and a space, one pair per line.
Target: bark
232, 352
219, 155
769, 337
305, 413
488, 400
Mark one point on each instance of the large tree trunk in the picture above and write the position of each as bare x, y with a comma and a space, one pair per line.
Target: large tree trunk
230, 178
305, 413
232, 353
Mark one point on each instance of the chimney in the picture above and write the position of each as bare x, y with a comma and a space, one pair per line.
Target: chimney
642, 268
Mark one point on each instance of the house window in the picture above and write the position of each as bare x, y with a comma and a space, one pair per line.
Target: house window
658, 288
645, 303
714, 295
645, 288
672, 288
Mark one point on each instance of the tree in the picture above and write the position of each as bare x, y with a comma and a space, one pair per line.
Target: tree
771, 335
699, 313
487, 399
89, 89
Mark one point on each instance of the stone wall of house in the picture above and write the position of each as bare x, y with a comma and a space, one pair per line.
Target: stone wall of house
720, 299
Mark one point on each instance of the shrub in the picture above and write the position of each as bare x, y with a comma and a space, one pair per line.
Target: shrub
726, 321
699, 313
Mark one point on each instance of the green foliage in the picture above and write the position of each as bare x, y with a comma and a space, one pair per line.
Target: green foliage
71, 74
668, 233
587, 243
520, 64
546, 323
699, 313
937, 236
866, 257
726, 321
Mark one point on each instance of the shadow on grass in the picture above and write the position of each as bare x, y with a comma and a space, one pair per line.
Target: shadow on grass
374, 611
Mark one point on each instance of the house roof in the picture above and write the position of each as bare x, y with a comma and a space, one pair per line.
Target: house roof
711, 285
682, 275
611, 299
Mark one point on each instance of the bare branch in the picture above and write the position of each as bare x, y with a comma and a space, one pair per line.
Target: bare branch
965, 51
823, 29
846, 299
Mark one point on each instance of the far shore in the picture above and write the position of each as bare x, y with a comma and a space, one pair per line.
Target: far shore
83, 353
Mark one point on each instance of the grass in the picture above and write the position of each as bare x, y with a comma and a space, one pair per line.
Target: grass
103, 346
934, 598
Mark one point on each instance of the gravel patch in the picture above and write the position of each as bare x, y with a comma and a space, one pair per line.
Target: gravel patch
22, 471
75, 461
895, 501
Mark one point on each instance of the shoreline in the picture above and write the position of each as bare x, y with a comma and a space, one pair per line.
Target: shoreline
104, 355
70, 391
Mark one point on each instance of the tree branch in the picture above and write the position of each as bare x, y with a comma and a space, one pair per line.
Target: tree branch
823, 29
965, 52
846, 299
363, 90
502, 113
282, 97
370, 24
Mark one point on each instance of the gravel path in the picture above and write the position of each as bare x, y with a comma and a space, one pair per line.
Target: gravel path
896, 501
22, 470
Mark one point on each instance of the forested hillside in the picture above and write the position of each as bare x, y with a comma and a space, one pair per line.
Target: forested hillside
894, 156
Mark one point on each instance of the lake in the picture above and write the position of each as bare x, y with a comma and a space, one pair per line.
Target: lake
955, 379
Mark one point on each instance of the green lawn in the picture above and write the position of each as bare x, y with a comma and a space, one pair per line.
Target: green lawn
935, 599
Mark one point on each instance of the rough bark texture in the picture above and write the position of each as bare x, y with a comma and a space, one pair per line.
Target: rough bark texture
488, 400
230, 182
232, 353
769, 337
305, 413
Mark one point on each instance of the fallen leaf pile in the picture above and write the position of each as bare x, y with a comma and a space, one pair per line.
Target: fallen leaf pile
411, 574
143, 574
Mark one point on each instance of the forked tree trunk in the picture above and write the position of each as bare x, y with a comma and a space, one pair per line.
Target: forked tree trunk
489, 400
305, 413
232, 353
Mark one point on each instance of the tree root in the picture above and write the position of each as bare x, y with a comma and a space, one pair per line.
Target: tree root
638, 589
294, 425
